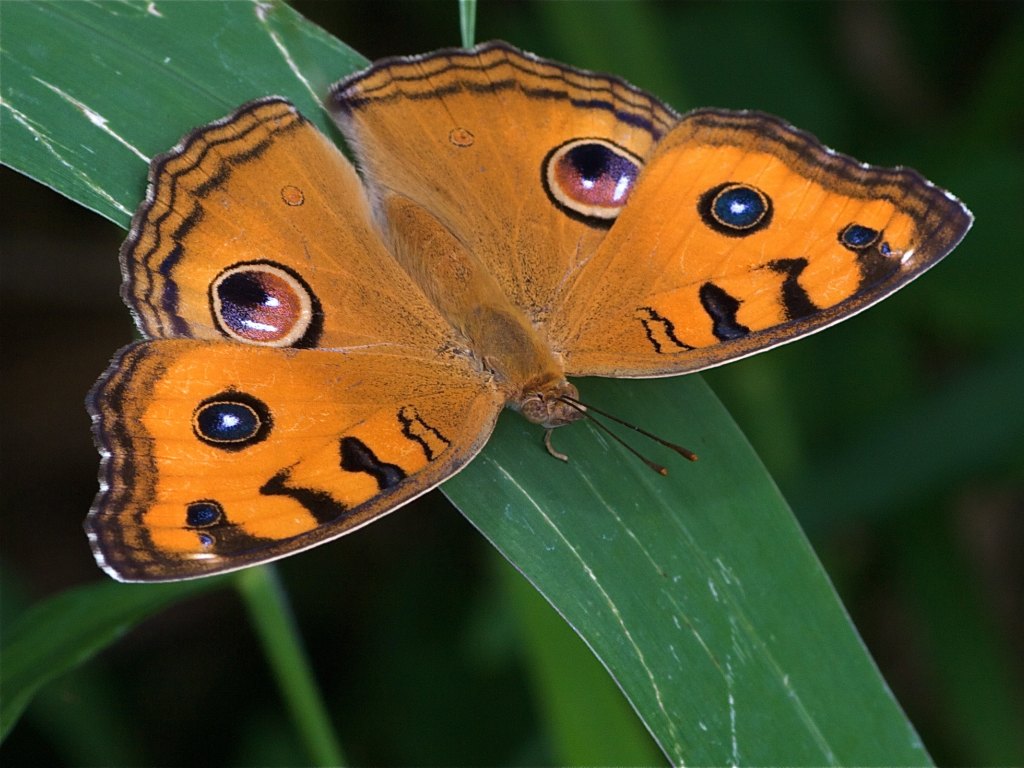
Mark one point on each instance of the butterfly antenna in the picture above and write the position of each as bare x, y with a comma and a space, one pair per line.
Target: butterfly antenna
686, 453
583, 409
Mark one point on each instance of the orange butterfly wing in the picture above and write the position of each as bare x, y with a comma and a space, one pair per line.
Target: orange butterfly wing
464, 135
262, 202
220, 455
743, 233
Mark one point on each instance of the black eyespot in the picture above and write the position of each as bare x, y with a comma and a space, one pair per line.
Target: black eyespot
735, 209
262, 302
202, 514
856, 237
231, 421
590, 179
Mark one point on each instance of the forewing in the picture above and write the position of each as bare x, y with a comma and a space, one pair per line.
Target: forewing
257, 229
468, 135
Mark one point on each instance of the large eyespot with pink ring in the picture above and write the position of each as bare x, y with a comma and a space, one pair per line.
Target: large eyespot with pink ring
266, 303
590, 179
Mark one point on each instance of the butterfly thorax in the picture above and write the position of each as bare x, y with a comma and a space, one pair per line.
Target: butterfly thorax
523, 366
500, 336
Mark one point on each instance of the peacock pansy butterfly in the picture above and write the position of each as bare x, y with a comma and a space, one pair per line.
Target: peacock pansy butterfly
322, 348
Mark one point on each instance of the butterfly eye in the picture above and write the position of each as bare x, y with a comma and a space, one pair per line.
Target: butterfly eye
856, 237
231, 421
590, 179
261, 302
735, 209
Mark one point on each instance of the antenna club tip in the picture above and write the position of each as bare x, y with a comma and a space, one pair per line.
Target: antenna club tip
686, 453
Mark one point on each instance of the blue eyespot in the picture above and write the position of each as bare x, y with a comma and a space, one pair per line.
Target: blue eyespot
856, 237
227, 422
231, 421
735, 209
201, 514
739, 207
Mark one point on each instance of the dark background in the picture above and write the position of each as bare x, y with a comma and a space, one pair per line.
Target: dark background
406, 623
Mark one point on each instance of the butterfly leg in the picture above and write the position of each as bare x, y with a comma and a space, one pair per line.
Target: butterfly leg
551, 449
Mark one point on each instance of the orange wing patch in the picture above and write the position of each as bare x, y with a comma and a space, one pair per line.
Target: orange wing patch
239, 454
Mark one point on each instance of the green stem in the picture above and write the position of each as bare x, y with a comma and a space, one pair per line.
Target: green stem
271, 616
467, 22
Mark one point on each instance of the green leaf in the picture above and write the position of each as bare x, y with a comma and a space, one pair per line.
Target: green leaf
588, 720
87, 125
698, 592
60, 633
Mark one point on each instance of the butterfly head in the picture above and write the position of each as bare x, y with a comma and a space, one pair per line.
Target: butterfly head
551, 404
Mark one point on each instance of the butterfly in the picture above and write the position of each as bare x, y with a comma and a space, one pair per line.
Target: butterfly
323, 346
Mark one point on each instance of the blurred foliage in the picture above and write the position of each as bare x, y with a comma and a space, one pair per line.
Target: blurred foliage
906, 420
